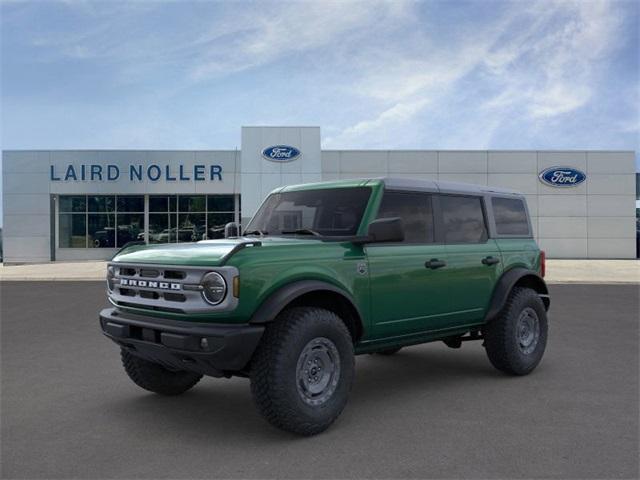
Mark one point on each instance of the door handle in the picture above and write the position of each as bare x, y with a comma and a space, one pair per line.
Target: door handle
490, 260
435, 263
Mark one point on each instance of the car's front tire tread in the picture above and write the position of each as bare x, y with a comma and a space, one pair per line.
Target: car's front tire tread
272, 387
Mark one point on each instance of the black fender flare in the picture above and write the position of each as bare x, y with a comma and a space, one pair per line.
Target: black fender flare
507, 281
278, 300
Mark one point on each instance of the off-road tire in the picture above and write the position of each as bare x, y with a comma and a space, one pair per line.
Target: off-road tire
389, 351
156, 378
501, 338
275, 383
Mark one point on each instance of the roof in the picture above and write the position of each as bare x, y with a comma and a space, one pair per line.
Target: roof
442, 186
398, 183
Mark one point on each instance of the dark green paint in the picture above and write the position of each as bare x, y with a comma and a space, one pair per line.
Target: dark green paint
401, 301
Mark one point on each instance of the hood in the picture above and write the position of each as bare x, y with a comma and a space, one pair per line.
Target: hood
204, 253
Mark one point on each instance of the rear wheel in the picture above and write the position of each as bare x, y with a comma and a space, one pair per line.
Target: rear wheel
302, 371
516, 339
155, 378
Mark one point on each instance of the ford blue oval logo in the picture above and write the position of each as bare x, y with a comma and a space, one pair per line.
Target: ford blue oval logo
562, 177
281, 153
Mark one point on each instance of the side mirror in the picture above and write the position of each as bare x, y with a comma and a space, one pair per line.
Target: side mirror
231, 229
386, 230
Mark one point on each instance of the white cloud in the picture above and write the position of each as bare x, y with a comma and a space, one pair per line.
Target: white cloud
557, 98
630, 126
405, 88
231, 37
259, 38
550, 68
397, 114
375, 73
539, 60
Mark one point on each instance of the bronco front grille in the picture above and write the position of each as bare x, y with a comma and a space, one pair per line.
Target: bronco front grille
169, 289
148, 272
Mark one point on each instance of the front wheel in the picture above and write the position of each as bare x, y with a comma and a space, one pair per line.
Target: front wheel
302, 371
516, 339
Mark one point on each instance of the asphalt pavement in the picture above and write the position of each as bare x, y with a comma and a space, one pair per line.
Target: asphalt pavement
69, 411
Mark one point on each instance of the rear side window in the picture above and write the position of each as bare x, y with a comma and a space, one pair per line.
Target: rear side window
510, 215
463, 219
416, 212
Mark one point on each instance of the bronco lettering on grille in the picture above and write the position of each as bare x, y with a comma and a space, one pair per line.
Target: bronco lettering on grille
130, 282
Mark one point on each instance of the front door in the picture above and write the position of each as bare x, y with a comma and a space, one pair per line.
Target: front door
408, 285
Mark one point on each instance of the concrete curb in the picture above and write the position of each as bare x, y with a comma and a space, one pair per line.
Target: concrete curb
51, 279
591, 282
615, 272
68, 280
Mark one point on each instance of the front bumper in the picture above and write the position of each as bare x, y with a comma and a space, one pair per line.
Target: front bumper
179, 345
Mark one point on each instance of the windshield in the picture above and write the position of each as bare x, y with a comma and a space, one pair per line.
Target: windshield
326, 212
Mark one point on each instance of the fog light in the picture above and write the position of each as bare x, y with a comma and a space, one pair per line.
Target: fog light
204, 343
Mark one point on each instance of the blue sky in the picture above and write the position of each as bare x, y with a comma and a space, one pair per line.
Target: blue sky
402, 74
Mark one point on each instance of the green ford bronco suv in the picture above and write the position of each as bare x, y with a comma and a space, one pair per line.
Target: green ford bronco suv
326, 271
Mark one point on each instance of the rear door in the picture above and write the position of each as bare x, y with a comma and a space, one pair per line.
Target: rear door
474, 261
406, 296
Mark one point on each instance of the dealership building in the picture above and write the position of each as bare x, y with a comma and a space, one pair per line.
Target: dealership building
85, 204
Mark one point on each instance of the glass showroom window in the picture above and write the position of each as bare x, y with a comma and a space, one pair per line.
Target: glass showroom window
189, 218
192, 212
72, 222
100, 221
220, 211
130, 219
162, 218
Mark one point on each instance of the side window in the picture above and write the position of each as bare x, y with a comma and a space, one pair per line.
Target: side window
463, 219
511, 216
416, 212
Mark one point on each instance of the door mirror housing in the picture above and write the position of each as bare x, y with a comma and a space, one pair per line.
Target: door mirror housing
231, 230
386, 230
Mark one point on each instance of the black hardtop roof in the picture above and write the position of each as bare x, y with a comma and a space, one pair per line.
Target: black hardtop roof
396, 183
409, 184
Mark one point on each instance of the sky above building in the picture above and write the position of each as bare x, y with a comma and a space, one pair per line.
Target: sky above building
402, 74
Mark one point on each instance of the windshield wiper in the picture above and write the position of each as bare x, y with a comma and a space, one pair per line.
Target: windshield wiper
302, 231
262, 233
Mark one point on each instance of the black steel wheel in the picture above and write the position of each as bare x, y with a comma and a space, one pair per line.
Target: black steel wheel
516, 339
302, 371
318, 371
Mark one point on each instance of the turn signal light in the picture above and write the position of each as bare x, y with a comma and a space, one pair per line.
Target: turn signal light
236, 287
543, 263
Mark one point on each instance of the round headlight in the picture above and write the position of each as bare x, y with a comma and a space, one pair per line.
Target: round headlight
111, 272
214, 288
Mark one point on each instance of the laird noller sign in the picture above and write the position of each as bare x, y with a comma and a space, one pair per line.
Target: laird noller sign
135, 173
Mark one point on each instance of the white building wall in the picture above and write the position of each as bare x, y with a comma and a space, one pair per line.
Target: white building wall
593, 220
28, 191
260, 176
26, 222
